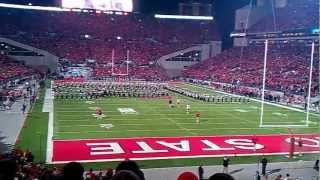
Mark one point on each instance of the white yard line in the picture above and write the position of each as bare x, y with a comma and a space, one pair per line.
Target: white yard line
50, 107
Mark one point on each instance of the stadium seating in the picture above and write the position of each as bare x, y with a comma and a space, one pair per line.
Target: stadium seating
10, 69
80, 36
287, 68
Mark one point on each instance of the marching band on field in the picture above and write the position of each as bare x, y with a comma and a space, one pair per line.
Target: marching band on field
206, 97
94, 90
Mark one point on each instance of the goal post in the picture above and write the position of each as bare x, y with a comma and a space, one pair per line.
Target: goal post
284, 116
113, 72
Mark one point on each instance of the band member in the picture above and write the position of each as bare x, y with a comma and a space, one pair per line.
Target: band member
178, 103
188, 108
170, 103
198, 117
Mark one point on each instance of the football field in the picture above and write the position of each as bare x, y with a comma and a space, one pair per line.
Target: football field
137, 128
140, 128
141, 117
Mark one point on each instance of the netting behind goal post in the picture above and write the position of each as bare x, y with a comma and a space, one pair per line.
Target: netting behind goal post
284, 101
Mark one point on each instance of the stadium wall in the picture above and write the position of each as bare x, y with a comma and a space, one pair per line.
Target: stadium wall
174, 68
248, 16
46, 62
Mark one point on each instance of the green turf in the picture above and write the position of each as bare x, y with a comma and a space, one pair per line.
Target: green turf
34, 134
73, 120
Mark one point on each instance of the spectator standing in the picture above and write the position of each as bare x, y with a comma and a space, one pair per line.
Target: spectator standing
287, 177
221, 176
264, 163
316, 165
90, 175
257, 177
279, 177
23, 109
226, 162
200, 172
73, 170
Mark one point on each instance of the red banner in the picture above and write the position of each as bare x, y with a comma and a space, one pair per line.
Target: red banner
96, 150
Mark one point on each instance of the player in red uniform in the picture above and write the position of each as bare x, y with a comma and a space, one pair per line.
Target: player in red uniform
300, 144
99, 113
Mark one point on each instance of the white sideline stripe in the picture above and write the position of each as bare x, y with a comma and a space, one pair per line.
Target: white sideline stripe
49, 152
183, 157
159, 130
256, 100
164, 124
199, 136
199, 109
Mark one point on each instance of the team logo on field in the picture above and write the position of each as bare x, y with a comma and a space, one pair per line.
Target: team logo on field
127, 111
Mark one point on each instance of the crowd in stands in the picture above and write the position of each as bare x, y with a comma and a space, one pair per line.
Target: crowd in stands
78, 36
296, 14
11, 69
138, 72
20, 165
287, 68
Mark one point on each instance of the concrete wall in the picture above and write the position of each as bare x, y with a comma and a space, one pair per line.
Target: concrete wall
174, 68
281, 3
240, 42
255, 14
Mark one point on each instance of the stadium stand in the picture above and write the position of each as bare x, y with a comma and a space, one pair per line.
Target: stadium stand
10, 69
78, 37
288, 68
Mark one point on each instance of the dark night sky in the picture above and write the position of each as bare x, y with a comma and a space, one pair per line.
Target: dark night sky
224, 10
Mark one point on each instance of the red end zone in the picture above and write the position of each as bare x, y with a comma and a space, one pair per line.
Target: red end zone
95, 150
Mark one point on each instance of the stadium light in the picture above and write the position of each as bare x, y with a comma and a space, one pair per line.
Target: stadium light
44, 8
314, 31
161, 16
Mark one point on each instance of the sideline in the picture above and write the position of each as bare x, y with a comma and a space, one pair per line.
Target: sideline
48, 107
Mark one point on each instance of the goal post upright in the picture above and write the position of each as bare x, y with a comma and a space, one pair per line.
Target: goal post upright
126, 62
128, 55
308, 92
264, 81
112, 62
310, 83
